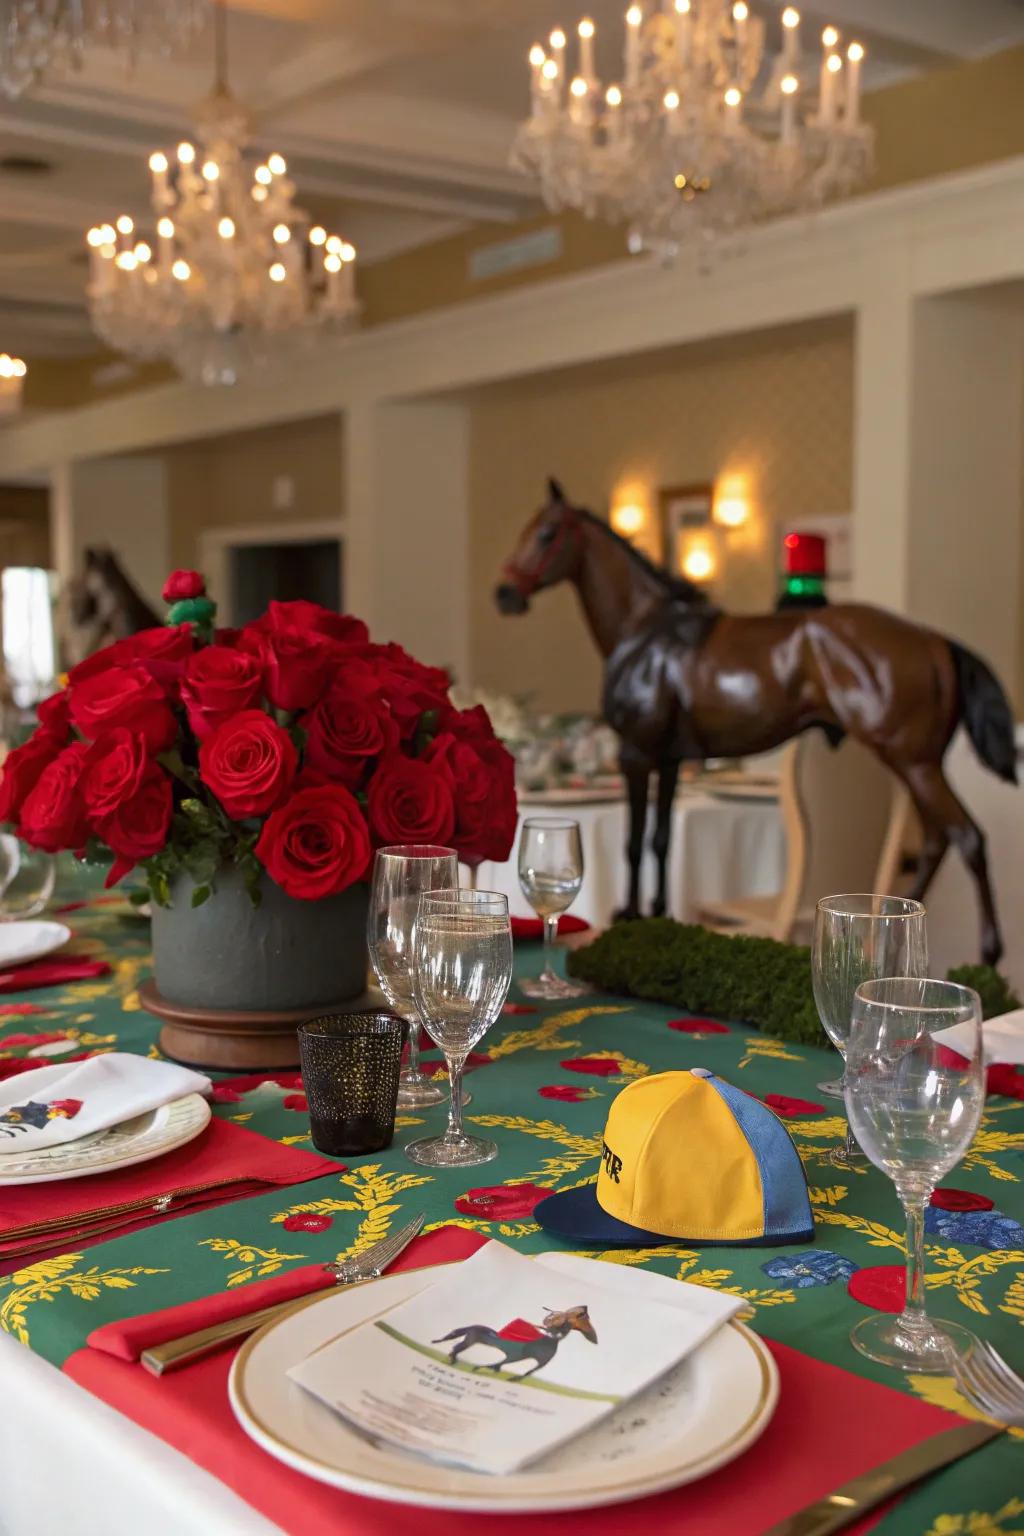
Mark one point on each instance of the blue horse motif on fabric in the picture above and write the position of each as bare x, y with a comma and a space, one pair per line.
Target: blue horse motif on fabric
802, 1270
985, 1229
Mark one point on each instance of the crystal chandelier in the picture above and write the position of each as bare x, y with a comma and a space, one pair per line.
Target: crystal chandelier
236, 274
41, 37
703, 134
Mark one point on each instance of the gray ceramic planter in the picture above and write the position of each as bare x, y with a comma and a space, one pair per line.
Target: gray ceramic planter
280, 957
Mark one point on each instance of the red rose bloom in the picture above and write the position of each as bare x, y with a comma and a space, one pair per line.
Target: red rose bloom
22, 769
53, 816
137, 828
317, 844
303, 618
123, 696
410, 688
410, 801
345, 733
53, 714
296, 667
218, 684
183, 584
114, 769
249, 762
162, 652
482, 773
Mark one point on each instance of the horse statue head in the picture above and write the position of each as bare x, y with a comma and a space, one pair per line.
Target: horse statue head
573, 1320
548, 552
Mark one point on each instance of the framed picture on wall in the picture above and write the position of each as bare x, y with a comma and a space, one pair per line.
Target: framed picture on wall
683, 508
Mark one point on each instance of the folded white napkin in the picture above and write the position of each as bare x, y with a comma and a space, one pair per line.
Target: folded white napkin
1002, 1038
65, 1102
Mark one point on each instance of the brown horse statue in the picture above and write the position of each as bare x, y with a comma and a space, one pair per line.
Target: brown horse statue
103, 605
683, 680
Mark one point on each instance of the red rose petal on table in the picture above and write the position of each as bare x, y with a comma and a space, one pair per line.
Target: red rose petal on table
699, 1027
515, 1008
307, 1221
960, 1200
501, 1202
595, 1066
882, 1287
295, 1101
564, 1091
791, 1108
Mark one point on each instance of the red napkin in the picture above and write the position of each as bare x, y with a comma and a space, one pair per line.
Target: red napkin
226, 1162
829, 1426
533, 927
51, 973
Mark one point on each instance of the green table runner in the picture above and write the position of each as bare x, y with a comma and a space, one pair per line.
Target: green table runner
542, 1092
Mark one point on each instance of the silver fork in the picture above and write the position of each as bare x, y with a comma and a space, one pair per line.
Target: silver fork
990, 1384
173, 1353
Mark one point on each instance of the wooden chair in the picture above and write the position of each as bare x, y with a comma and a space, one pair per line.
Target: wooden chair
848, 822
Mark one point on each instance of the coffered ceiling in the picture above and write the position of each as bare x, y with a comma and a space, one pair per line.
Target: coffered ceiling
395, 115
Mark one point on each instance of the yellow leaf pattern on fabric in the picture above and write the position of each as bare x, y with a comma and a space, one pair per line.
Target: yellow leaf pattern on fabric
942, 1392
45, 1280
978, 1523
546, 1036
877, 1235
765, 1047
830, 1196
256, 1262
553, 1170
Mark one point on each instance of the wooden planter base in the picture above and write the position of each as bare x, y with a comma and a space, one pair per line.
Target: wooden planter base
223, 1040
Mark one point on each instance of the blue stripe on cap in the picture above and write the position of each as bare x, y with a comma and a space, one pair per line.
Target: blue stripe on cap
787, 1207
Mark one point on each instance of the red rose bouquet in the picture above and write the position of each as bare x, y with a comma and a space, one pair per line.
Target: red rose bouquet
291, 747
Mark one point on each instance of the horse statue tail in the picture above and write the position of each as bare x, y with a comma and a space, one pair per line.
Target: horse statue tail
985, 711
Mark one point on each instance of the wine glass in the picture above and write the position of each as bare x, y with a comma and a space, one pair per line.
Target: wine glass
915, 1106
462, 951
27, 878
858, 938
401, 873
550, 874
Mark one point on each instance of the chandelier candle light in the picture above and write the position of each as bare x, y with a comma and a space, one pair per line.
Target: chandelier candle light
703, 133
236, 270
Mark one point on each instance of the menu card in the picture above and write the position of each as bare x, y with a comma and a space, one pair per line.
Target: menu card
503, 1358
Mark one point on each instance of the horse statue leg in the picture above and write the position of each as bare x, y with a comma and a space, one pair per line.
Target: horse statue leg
668, 775
945, 821
637, 773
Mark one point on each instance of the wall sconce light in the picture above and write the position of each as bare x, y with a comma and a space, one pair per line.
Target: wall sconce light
628, 519
12, 375
731, 511
698, 563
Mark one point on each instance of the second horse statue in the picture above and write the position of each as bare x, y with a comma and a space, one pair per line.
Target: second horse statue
682, 680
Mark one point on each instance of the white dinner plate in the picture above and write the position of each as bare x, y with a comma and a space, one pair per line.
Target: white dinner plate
119, 1146
704, 1413
30, 940
564, 794
736, 791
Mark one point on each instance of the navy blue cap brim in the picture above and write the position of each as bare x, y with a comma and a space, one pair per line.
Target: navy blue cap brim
575, 1216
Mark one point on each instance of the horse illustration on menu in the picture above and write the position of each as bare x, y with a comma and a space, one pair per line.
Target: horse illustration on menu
519, 1340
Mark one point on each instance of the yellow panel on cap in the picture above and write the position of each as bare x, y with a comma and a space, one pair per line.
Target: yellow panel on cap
687, 1169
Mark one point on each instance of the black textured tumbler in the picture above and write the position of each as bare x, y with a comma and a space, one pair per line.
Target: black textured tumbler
350, 1067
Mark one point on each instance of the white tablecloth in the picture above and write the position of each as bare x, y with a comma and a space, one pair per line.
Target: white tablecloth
69, 1463
721, 849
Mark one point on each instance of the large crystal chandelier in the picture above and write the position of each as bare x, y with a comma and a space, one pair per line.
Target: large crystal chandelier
235, 274
703, 134
43, 37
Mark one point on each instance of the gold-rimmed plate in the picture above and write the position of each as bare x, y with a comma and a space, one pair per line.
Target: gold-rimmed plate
118, 1146
701, 1415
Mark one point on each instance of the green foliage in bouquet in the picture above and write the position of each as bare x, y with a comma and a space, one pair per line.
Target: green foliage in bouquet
751, 980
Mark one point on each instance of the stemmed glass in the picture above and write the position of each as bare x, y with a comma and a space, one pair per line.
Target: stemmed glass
462, 950
550, 874
27, 878
401, 873
915, 1106
859, 938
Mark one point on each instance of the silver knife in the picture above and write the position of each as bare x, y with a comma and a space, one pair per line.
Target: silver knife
203, 1341
860, 1494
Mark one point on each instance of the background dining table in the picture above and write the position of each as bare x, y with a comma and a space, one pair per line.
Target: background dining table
541, 1085
725, 844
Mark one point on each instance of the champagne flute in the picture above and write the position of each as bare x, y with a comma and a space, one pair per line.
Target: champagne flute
915, 1106
401, 873
550, 874
462, 953
27, 878
858, 938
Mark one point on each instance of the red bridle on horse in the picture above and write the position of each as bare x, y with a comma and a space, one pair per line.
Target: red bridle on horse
525, 582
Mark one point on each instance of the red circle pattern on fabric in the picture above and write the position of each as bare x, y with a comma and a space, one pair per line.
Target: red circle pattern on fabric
883, 1287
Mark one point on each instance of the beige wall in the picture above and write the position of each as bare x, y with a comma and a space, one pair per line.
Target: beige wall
24, 525
772, 413
228, 481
